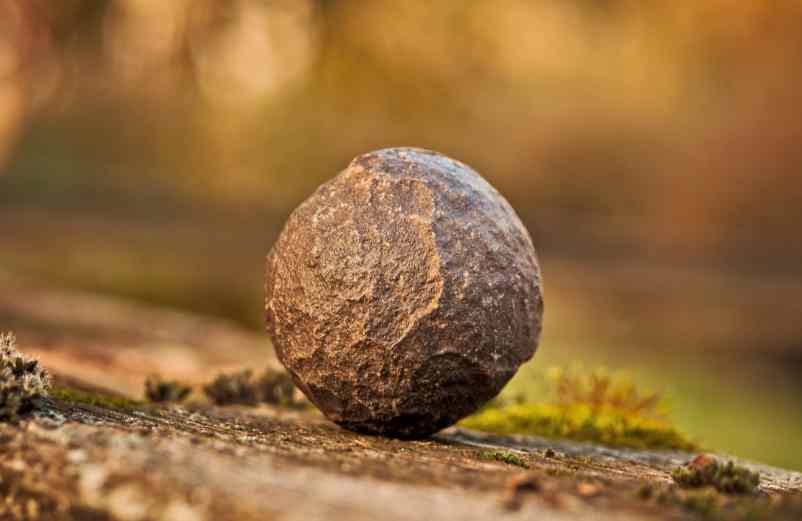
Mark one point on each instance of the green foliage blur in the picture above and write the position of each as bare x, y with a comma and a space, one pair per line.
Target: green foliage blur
584, 406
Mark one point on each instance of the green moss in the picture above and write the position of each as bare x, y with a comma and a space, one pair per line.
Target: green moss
68, 395
708, 504
579, 422
727, 477
592, 407
505, 456
705, 502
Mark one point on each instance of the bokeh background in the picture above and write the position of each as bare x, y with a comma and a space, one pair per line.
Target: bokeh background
152, 149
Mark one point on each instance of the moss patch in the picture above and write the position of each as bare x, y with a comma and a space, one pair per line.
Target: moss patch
704, 471
579, 423
69, 395
594, 408
707, 504
505, 456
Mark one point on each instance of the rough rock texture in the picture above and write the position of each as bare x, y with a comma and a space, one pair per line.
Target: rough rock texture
403, 294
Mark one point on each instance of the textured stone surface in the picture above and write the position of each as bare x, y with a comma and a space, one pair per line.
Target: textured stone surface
403, 294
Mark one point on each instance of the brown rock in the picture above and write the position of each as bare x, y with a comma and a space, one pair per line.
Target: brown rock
403, 294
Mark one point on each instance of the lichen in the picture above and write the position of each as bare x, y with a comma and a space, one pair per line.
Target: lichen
22, 379
594, 408
505, 456
69, 395
729, 478
159, 390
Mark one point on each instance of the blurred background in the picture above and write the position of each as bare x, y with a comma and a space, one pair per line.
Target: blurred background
153, 150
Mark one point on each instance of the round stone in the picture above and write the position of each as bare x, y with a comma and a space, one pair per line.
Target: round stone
403, 294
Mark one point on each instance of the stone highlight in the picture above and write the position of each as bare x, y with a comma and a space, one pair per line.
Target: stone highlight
403, 294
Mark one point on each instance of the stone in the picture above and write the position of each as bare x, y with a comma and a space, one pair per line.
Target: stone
403, 294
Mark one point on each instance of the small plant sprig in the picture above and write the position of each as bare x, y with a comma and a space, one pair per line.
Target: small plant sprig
22, 379
729, 478
600, 391
159, 390
243, 388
